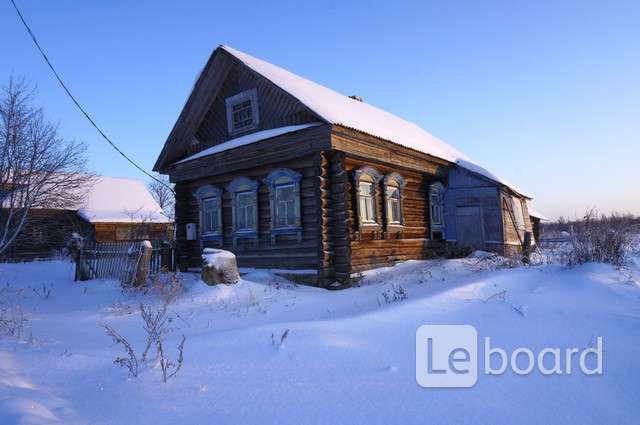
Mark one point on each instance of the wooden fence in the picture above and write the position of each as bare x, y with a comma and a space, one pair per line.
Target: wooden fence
122, 260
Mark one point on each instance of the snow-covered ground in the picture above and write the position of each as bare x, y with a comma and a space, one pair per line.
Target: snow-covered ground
348, 356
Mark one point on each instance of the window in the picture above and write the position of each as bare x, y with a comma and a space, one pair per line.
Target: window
393, 204
284, 197
436, 210
210, 210
244, 204
366, 180
242, 111
367, 202
393, 184
245, 211
285, 206
210, 215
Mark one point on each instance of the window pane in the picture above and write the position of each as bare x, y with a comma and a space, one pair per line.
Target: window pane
370, 209
281, 214
366, 188
285, 205
245, 202
393, 206
291, 214
249, 211
242, 114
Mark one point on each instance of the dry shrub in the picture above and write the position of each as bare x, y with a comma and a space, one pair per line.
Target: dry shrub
156, 326
12, 322
601, 239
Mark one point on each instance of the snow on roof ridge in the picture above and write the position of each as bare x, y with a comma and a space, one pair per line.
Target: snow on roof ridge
339, 109
248, 139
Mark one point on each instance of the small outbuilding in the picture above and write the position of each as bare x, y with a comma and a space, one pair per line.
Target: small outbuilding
114, 209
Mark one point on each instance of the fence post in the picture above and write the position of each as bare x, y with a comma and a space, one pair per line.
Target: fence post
144, 259
76, 248
526, 248
165, 256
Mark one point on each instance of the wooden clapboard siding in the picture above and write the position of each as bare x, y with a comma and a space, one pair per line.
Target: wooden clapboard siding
271, 151
276, 109
287, 252
198, 104
513, 239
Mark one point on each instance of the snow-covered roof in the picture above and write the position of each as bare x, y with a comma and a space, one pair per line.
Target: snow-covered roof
536, 214
248, 139
338, 109
118, 200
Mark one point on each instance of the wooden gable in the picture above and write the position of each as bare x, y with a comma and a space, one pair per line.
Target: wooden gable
203, 123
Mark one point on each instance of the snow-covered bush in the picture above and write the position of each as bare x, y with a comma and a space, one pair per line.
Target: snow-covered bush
604, 239
394, 293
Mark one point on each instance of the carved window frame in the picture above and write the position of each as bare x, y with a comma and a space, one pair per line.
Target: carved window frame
278, 178
393, 180
209, 192
436, 209
247, 95
246, 187
369, 175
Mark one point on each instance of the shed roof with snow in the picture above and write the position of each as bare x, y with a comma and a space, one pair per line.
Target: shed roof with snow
120, 200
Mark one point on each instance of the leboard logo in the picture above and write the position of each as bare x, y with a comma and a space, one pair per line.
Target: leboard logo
447, 357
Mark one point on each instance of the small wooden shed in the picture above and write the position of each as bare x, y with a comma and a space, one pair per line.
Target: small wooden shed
114, 209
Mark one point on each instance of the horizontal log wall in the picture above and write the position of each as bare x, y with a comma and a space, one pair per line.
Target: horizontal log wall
46, 233
121, 232
370, 248
287, 252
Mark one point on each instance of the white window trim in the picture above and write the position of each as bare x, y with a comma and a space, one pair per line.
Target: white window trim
374, 176
436, 225
209, 192
397, 181
243, 185
202, 213
292, 178
251, 95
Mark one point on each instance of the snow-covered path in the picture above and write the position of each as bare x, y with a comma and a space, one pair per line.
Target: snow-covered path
349, 356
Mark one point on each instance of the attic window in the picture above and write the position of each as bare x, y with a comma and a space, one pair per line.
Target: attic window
242, 111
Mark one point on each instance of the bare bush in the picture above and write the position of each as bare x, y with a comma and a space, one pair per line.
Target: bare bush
601, 239
168, 287
44, 292
156, 327
12, 321
131, 360
169, 367
278, 342
394, 293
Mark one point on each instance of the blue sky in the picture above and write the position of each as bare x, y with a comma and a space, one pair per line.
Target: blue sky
546, 94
